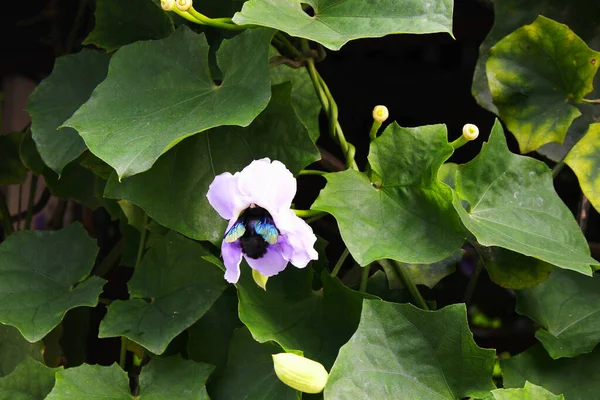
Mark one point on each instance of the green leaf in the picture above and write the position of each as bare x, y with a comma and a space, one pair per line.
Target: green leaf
209, 338
91, 382
174, 285
159, 92
249, 374
12, 170
14, 349
174, 378
45, 274
122, 22
567, 306
336, 22
178, 200
304, 97
29, 155
510, 15
408, 217
584, 160
576, 378
533, 73
31, 380
424, 274
56, 98
529, 392
297, 318
513, 205
77, 183
402, 352
89, 161
513, 270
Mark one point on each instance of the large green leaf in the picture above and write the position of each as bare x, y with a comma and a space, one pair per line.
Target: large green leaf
31, 380
77, 183
45, 274
533, 73
174, 285
56, 98
122, 22
335, 22
12, 170
576, 378
174, 191
91, 382
14, 349
528, 392
159, 92
509, 15
513, 270
408, 217
249, 374
174, 378
290, 313
513, 204
422, 274
584, 160
567, 306
402, 352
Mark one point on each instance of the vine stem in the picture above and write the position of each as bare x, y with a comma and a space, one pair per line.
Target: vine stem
594, 101
308, 213
285, 43
224, 23
557, 168
311, 172
473, 280
5, 214
407, 281
340, 261
374, 129
30, 201
364, 279
123, 353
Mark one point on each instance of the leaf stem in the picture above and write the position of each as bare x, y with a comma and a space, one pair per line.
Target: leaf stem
5, 214
309, 213
111, 259
584, 210
557, 168
364, 279
473, 280
285, 43
458, 143
311, 172
340, 261
594, 101
374, 128
123, 353
409, 284
223, 23
32, 192
142, 243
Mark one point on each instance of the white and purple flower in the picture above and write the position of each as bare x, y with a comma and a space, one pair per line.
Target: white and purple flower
262, 228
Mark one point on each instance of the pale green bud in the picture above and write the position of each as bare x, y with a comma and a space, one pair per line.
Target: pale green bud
183, 5
300, 373
470, 131
380, 114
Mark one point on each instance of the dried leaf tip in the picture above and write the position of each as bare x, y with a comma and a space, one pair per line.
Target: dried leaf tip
300, 373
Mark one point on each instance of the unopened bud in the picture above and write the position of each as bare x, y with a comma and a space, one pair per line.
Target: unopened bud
470, 131
300, 373
380, 114
167, 5
183, 5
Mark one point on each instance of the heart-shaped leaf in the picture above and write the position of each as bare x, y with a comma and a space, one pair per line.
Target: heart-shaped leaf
45, 274
174, 191
333, 23
408, 217
56, 98
513, 204
174, 285
567, 306
533, 73
402, 352
122, 22
584, 160
513, 270
14, 349
31, 380
528, 392
159, 92
174, 378
91, 382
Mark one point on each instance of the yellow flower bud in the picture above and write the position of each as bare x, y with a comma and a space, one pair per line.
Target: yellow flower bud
470, 131
380, 114
300, 373
183, 5
167, 5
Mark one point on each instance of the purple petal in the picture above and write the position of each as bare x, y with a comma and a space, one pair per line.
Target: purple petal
225, 197
232, 256
267, 184
270, 264
297, 239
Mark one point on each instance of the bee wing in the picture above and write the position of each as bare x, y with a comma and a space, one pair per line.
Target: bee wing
267, 230
237, 231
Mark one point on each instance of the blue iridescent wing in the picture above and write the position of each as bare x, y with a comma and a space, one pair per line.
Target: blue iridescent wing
267, 229
237, 231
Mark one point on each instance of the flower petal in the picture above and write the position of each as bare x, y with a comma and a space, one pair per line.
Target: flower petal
297, 239
225, 197
270, 264
267, 184
232, 256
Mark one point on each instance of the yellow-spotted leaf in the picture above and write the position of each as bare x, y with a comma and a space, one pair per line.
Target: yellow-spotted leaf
584, 159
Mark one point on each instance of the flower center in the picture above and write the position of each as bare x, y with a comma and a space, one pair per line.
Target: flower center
255, 230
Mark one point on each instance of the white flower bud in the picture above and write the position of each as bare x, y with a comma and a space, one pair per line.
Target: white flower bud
300, 373
183, 5
470, 131
380, 114
167, 5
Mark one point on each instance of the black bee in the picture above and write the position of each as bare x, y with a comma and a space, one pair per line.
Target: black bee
255, 231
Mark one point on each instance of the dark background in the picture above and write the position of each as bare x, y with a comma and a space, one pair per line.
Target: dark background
422, 79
